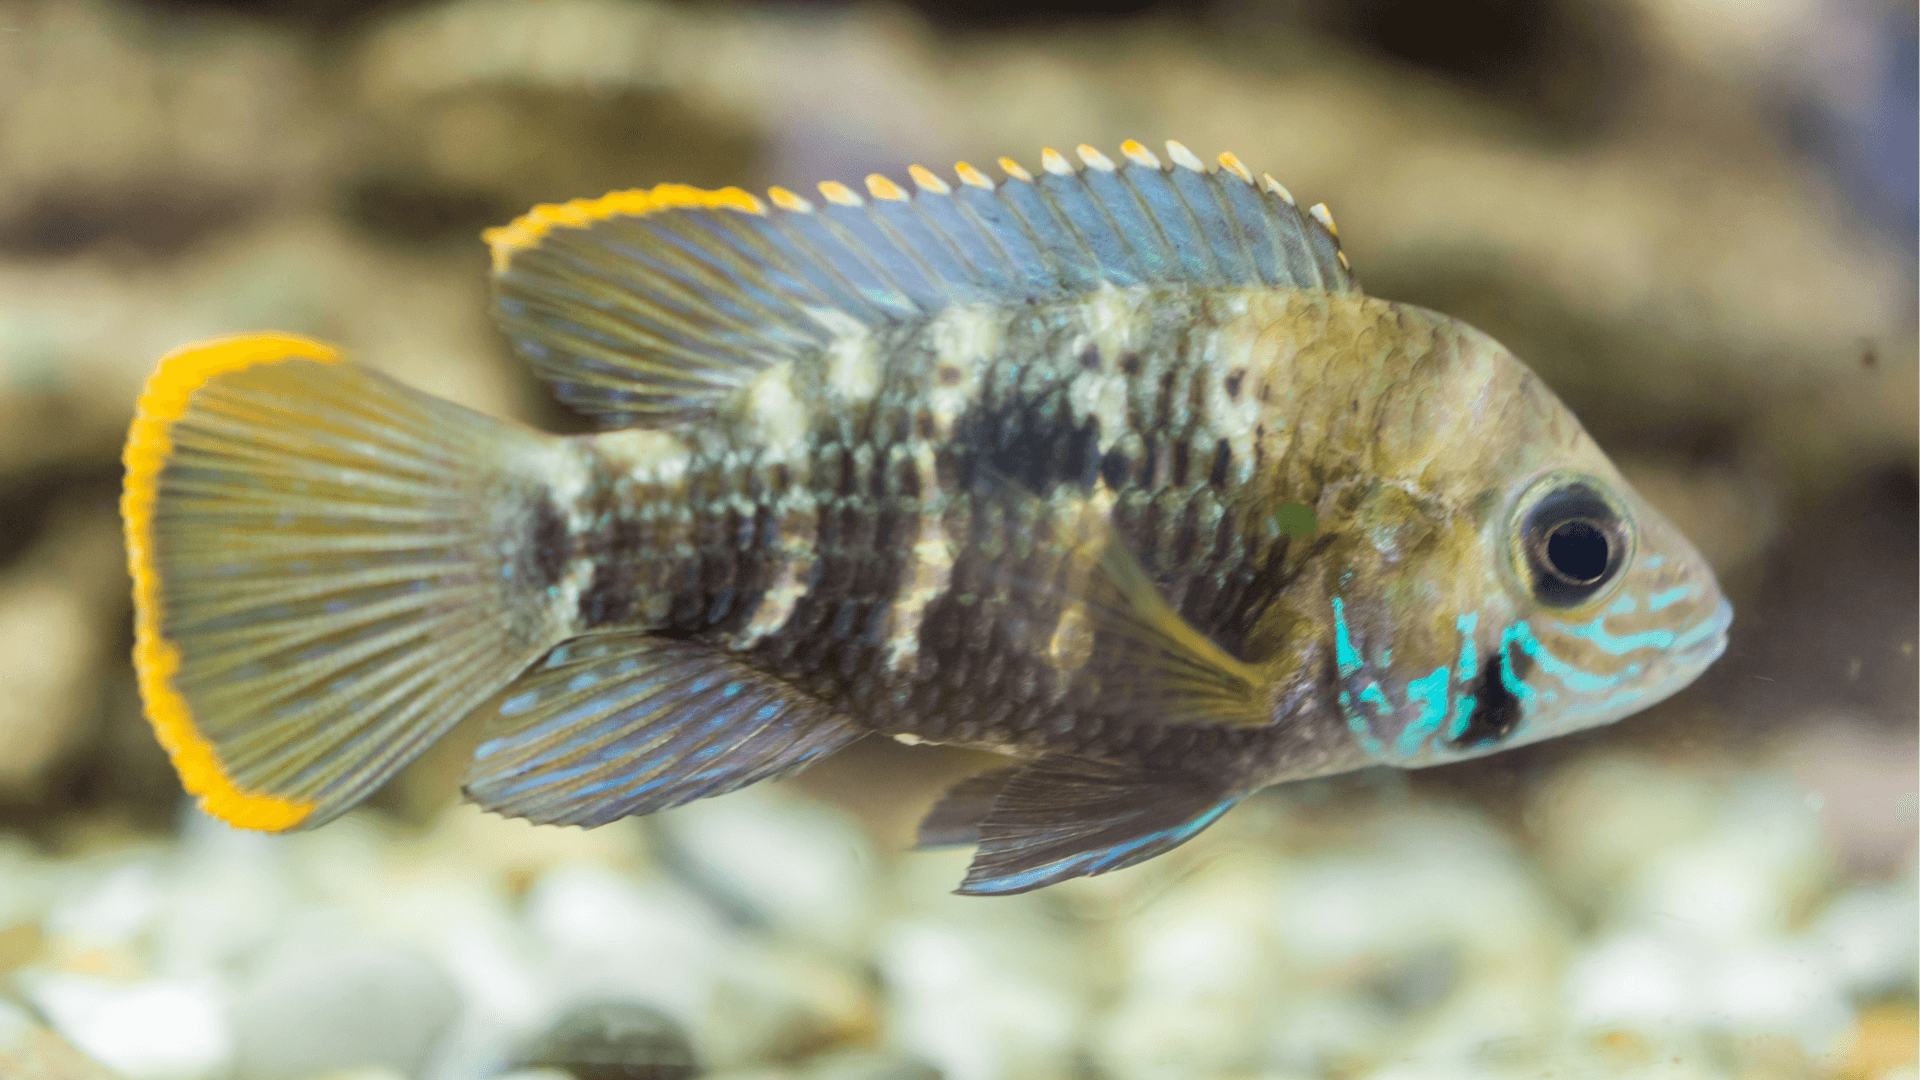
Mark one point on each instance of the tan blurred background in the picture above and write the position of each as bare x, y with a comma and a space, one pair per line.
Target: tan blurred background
1695, 218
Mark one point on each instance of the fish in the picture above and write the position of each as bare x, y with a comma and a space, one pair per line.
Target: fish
1111, 468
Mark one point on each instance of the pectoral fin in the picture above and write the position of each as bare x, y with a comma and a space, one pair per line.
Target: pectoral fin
1065, 817
1103, 617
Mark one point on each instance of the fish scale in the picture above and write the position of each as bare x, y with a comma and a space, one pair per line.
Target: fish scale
1110, 467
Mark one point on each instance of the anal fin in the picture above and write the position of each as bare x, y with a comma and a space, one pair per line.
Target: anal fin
955, 819
1064, 817
611, 726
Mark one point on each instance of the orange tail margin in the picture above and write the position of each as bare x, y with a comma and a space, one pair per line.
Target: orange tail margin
149, 444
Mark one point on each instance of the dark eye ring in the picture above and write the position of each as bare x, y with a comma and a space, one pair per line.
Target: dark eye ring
1574, 543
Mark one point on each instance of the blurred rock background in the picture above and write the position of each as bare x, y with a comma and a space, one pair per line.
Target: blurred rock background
1695, 218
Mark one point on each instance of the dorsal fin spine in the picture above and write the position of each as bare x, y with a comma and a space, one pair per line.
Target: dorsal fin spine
1103, 209
1038, 202
847, 221
971, 176
1184, 157
963, 209
926, 211
1216, 191
926, 180
795, 234
1139, 154
855, 254
1150, 222
912, 251
1200, 251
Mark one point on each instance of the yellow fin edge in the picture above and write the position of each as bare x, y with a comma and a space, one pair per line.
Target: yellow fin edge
162, 402
526, 230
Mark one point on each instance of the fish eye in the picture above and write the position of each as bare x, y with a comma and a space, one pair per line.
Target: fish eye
1572, 542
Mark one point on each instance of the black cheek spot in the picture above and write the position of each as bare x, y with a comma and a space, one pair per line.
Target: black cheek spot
1090, 359
1233, 381
1115, 468
1130, 363
1496, 711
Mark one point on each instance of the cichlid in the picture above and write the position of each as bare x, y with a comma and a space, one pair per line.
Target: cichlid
1113, 469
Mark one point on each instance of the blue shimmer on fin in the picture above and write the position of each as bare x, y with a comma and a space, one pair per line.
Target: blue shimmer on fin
631, 723
1193, 260
1062, 817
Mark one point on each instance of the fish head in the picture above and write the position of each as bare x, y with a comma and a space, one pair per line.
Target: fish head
1527, 595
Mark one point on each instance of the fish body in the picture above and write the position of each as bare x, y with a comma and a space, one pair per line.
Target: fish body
1115, 471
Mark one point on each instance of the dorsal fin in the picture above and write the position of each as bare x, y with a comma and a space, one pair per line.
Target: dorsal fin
652, 307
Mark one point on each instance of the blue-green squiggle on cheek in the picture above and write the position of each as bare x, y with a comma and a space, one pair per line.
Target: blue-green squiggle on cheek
1462, 714
1432, 691
1357, 724
1596, 632
1344, 654
1671, 596
1574, 679
1469, 659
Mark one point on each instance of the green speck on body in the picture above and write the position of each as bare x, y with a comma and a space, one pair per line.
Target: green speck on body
1296, 519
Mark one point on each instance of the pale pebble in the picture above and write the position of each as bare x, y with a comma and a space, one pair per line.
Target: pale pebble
317, 1005
1760, 860
151, 1029
801, 864
1870, 934
976, 1005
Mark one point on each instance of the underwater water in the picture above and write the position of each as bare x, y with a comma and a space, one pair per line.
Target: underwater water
1683, 215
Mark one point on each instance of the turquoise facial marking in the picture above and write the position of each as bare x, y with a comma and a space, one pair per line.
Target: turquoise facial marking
1358, 725
1462, 713
1622, 606
1515, 686
1344, 653
1432, 690
1671, 596
1373, 696
1469, 659
1596, 632
1699, 632
1574, 679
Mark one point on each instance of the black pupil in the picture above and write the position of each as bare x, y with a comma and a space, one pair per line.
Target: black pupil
1577, 551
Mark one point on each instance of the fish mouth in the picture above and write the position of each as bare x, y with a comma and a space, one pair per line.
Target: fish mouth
1711, 635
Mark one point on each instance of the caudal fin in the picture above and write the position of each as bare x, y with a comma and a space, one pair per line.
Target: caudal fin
330, 569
